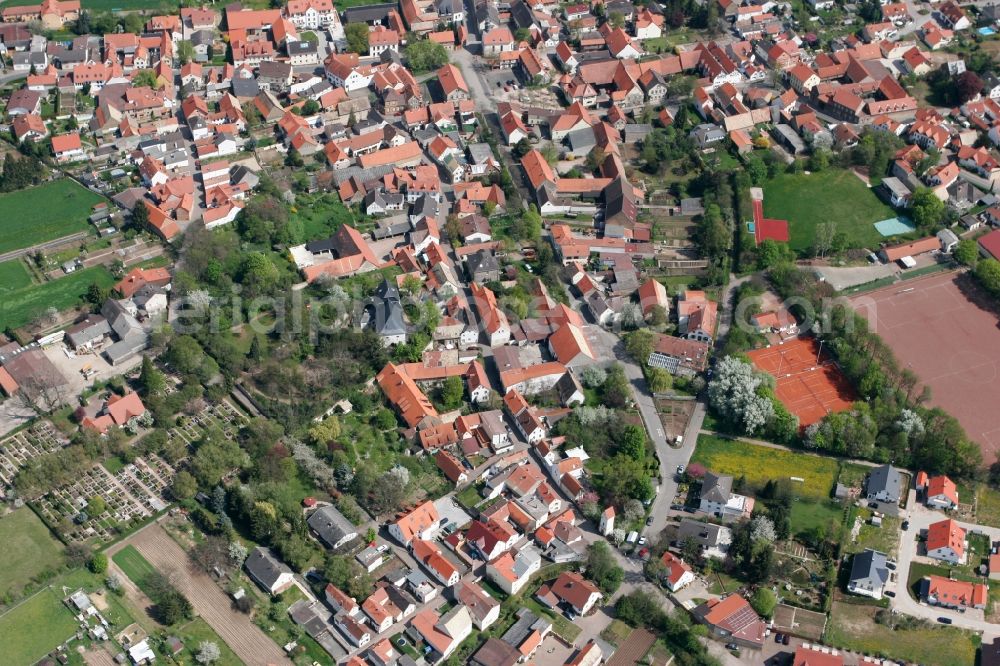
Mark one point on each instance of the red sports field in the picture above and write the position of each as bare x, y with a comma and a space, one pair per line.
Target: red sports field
808, 389
950, 342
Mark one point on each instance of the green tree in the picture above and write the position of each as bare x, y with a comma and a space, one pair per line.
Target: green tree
926, 209
98, 563
357, 38
258, 273
145, 77
185, 354
185, 52
311, 107
602, 568
764, 601
452, 392
151, 380
185, 486
639, 344
988, 273
633, 442
423, 55
658, 380
325, 432
96, 506
967, 252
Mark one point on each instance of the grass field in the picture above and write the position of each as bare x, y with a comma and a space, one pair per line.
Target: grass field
20, 306
806, 515
44, 213
32, 629
135, 566
13, 276
760, 464
884, 539
196, 631
23, 533
987, 506
853, 627
833, 195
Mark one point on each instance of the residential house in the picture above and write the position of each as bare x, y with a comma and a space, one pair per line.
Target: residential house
717, 498
332, 527
271, 574
884, 484
513, 569
442, 633
570, 590
420, 523
484, 609
869, 574
733, 620
946, 542
714, 540
677, 574
940, 591
429, 554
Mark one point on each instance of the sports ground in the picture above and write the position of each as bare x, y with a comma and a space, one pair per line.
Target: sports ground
809, 383
940, 328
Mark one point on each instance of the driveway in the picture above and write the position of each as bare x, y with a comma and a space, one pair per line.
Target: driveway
920, 518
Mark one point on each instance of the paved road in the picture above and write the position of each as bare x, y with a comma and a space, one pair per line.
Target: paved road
245, 638
920, 518
477, 89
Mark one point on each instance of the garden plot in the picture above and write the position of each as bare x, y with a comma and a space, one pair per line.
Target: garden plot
134, 493
19, 448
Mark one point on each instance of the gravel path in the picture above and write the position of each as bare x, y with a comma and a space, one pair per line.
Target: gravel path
245, 638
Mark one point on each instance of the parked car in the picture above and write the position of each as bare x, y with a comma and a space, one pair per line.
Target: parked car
649, 521
944, 620
786, 640
890, 593
778, 637
732, 646
906, 525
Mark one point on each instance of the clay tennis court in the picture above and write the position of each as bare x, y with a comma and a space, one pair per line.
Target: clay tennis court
943, 328
809, 383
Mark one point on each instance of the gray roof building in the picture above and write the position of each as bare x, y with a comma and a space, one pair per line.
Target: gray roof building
267, 570
716, 487
869, 573
332, 527
884, 484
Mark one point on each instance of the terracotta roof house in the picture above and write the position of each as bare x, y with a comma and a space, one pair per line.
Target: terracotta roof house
429, 554
941, 492
119, 410
450, 465
652, 293
732, 619
678, 573
572, 590
443, 633
420, 523
570, 347
940, 591
946, 541
413, 406
452, 83
137, 278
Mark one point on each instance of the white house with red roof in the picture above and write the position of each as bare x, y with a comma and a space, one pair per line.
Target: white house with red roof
946, 542
678, 574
